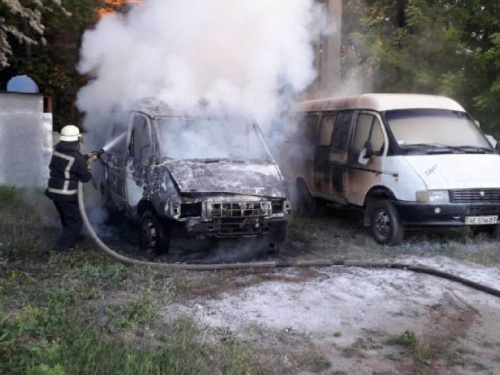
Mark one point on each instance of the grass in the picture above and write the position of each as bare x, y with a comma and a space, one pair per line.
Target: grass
313, 362
348, 239
78, 316
421, 351
361, 344
83, 313
424, 353
407, 339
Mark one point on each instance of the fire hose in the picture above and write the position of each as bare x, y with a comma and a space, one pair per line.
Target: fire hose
277, 264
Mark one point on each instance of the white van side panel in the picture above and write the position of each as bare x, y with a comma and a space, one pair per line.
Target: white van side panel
398, 176
408, 181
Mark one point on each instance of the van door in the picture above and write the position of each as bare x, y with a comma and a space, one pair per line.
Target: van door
331, 155
322, 169
366, 156
114, 160
139, 153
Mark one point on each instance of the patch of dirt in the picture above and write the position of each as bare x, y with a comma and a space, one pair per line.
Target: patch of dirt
350, 316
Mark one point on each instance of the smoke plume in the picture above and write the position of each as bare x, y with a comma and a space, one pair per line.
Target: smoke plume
247, 55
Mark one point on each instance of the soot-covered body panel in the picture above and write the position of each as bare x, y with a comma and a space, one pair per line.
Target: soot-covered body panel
230, 188
226, 176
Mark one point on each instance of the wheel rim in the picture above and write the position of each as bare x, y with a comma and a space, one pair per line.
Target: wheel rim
382, 224
149, 234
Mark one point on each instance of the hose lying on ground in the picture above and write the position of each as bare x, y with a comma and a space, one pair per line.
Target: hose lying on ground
277, 264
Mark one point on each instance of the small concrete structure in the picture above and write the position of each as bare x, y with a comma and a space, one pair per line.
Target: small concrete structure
25, 140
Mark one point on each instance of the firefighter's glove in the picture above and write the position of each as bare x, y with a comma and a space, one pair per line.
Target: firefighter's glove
91, 157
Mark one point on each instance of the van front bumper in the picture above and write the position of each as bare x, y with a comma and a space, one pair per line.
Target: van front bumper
451, 214
237, 228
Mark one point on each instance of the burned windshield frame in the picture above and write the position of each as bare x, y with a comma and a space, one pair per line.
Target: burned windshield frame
210, 138
448, 132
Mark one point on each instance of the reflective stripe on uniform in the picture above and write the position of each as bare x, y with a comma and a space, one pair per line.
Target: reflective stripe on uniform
71, 161
63, 192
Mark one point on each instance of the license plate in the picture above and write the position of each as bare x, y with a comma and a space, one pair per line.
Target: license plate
478, 220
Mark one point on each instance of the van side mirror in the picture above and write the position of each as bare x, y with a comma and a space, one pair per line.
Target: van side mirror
366, 153
492, 140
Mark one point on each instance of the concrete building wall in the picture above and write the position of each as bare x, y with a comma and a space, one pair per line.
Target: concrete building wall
25, 140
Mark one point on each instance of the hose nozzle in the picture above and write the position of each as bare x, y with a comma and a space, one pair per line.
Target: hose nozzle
94, 155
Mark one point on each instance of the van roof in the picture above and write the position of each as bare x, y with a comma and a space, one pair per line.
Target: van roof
153, 107
380, 102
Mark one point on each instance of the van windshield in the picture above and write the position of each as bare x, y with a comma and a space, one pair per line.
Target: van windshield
430, 131
210, 138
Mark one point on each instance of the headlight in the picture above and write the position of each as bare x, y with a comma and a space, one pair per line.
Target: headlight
173, 210
280, 207
266, 207
433, 196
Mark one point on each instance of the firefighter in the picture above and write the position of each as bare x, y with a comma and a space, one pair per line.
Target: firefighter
67, 167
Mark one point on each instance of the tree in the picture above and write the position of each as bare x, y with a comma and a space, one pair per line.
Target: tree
449, 47
23, 21
480, 33
409, 46
52, 64
52, 61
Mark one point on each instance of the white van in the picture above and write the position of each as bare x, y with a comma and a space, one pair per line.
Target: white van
406, 159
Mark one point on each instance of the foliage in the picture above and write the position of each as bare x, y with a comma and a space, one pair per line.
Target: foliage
23, 21
442, 47
53, 66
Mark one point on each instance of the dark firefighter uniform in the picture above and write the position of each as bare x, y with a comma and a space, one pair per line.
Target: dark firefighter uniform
67, 167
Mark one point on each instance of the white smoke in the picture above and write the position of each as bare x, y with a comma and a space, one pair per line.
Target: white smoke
247, 55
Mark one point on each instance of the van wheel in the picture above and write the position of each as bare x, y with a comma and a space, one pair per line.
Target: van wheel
155, 234
385, 224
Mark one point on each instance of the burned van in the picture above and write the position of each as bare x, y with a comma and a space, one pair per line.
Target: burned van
210, 174
406, 160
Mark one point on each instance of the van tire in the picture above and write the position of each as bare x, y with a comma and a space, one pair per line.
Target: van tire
385, 225
155, 234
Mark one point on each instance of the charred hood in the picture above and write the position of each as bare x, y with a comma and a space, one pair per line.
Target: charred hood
226, 176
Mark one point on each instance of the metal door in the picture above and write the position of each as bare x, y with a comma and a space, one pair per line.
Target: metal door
139, 153
366, 156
